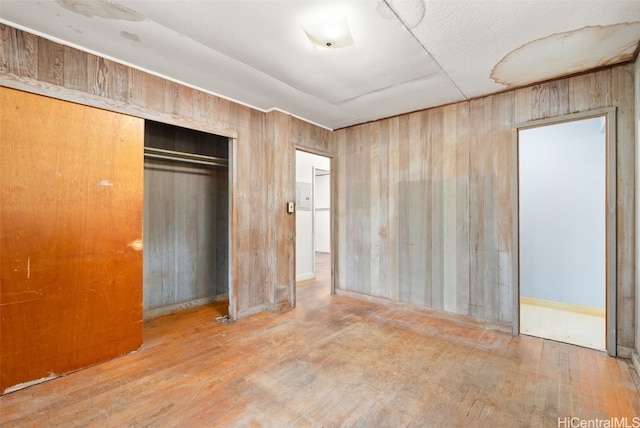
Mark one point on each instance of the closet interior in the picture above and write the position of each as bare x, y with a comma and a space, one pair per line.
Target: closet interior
186, 218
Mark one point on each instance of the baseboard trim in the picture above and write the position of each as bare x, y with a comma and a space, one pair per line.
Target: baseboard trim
568, 307
305, 277
635, 358
178, 307
437, 313
635, 368
252, 311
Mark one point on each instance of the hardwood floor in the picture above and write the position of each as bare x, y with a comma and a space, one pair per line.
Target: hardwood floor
332, 361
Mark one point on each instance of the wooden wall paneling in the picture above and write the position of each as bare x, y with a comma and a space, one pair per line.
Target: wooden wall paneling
270, 131
636, 353
345, 147
147, 90
486, 229
582, 95
621, 91
186, 233
314, 138
490, 191
284, 231
425, 255
558, 98
251, 293
404, 196
357, 198
450, 208
382, 268
19, 52
108, 79
462, 174
257, 249
375, 205
75, 69
339, 210
477, 200
98, 76
345, 160
540, 97
171, 97
220, 230
158, 253
187, 208
71, 226
234, 236
185, 102
503, 106
522, 104
50, 62
435, 170
203, 107
392, 232
416, 269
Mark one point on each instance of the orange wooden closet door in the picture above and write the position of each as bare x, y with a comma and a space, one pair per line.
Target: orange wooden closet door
71, 201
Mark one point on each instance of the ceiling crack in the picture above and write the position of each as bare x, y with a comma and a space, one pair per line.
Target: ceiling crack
394, 85
424, 48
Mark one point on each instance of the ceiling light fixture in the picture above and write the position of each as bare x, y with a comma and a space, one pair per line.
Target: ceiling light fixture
329, 34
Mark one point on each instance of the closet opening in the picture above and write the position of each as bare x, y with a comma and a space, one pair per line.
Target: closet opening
186, 219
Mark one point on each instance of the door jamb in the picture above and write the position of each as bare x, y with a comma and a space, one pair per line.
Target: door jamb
333, 225
611, 230
233, 234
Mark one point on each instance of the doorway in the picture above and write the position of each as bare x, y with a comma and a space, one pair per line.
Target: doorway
313, 216
186, 219
566, 181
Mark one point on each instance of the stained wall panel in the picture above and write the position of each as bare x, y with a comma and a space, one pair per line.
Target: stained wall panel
71, 228
425, 199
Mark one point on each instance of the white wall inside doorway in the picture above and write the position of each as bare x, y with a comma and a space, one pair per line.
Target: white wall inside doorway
306, 243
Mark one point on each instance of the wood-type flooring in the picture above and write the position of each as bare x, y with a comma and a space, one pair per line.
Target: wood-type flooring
331, 362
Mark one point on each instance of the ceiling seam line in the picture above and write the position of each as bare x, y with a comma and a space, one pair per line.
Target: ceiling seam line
406, 27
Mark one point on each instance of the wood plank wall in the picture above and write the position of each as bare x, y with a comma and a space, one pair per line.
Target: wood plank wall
285, 133
424, 199
636, 356
38, 65
185, 233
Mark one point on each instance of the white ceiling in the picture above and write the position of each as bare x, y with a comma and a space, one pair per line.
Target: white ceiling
407, 54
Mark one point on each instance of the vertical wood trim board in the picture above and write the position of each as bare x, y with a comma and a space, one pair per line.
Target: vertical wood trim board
281, 292
448, 241
71, 227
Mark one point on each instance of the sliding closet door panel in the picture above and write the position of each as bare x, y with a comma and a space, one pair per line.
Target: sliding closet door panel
71, 236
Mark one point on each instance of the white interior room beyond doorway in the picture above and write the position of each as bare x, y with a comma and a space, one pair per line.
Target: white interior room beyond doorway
313, 224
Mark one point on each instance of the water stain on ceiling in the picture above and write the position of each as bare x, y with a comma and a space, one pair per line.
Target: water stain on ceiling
100, 9
566, 53
130, 36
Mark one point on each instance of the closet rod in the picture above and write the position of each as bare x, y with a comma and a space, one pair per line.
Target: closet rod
152, 152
